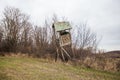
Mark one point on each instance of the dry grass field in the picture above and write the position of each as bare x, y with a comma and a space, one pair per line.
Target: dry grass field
24, 68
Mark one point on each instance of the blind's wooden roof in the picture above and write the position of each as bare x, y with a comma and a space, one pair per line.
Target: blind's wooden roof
59, 26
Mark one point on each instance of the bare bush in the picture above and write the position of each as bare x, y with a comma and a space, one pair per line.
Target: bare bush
84, 40
40, 36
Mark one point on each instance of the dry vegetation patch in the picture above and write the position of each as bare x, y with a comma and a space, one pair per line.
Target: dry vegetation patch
24, 68
102, 63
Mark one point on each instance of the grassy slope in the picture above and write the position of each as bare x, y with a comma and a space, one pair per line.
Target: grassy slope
12, 68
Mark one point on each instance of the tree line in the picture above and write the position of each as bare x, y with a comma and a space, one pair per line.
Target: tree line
18, 34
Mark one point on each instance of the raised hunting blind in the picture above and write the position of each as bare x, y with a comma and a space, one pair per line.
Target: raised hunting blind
62, 37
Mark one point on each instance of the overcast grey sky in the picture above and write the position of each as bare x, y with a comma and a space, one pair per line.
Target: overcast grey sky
102, 16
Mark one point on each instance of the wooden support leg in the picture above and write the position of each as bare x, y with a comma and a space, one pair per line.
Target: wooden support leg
57, 54
73, 52
66, 53
62, 55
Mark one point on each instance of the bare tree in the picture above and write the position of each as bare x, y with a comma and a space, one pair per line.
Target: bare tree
1, 35
40, 39
84, 39
12, 23
25, 40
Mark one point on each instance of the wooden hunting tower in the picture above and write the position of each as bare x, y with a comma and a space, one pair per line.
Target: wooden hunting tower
62, 37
